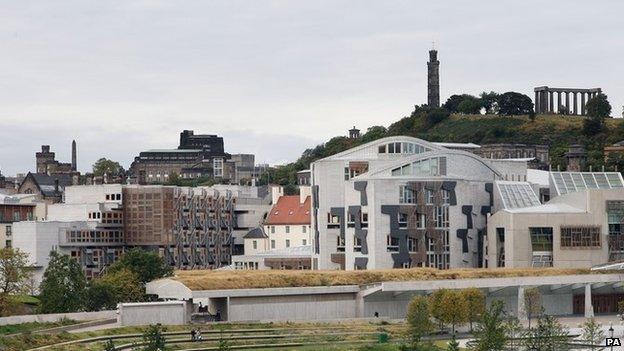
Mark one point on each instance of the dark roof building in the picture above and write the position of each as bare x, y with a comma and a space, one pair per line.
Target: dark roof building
49, 187
256, 233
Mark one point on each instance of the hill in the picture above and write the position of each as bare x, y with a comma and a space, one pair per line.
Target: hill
556, 131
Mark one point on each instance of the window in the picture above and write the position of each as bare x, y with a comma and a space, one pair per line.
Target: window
357, 244
541, 238
441, 217
500, 235
446, 197
107, 197
412, 244
304, 242
9, 230
429, 196
272, 229
287, 243
272, 244
340, 243
392, 244
347, 174
303, 228
255, 245
382, 149
403, 220
218, 167
287, 229
580, 236
421, 221
615, 216
364, 220
16, 216
407, 195
333, 221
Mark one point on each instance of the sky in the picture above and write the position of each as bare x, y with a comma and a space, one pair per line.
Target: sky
273, 77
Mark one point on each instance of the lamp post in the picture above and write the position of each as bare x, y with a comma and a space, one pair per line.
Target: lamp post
611, 334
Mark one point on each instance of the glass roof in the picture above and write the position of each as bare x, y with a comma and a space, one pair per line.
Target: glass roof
570, 182
517, 195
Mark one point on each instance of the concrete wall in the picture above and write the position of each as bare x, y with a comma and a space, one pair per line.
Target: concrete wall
89, 194
54, 317
166, 313
518, 251
294, 307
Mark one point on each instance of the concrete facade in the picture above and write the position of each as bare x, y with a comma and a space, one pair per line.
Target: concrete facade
165, 313
403, 202
561, 295
510, 242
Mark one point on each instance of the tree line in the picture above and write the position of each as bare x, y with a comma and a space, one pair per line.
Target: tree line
491, 327
65, 288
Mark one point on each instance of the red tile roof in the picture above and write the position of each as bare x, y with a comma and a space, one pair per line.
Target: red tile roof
288, 210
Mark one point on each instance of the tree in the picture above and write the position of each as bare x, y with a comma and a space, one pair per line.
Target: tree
154, 338
374, 133
100, 296
107, 166
453, 345
532, 303
419, 318
114, 287
449, 307
470, 105
436, 115
490, 102
224, 344
592, 333
490, 332
453, 102
146, 264
598, 108
514, 331
63, 286
109, 346
14, 277
512, 103
549, 334
476, 304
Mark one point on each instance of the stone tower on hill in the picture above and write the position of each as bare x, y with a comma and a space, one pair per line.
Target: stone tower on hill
433, 82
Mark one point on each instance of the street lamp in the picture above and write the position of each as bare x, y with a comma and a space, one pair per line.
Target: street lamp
611, 334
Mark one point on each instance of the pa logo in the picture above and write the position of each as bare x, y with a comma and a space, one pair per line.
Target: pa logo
614, 342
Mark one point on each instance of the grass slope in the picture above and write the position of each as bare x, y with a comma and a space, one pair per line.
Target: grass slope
213, 280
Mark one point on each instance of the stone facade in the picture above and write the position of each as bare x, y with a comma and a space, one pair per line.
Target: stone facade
511, 151
433, 79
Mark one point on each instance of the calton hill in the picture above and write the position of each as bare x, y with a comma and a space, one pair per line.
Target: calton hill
488, 119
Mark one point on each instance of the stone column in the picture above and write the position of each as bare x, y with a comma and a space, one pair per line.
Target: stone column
551, 102
583, 103
537, 105
575, 103
522, 313
567, 105
559, 104
589, 308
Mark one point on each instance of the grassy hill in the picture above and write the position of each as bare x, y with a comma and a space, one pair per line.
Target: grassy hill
556, 131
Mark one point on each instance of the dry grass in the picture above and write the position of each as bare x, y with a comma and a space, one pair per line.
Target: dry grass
213, 280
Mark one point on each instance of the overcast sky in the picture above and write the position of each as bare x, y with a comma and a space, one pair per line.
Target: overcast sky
273, 77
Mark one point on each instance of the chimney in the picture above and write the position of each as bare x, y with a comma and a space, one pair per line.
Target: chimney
73, 162
276, 192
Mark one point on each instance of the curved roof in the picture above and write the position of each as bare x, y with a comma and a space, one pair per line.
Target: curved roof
412, 158
375, 143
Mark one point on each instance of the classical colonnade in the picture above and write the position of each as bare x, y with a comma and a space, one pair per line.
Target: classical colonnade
545, 99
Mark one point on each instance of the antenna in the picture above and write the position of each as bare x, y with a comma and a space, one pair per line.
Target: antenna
433, 45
